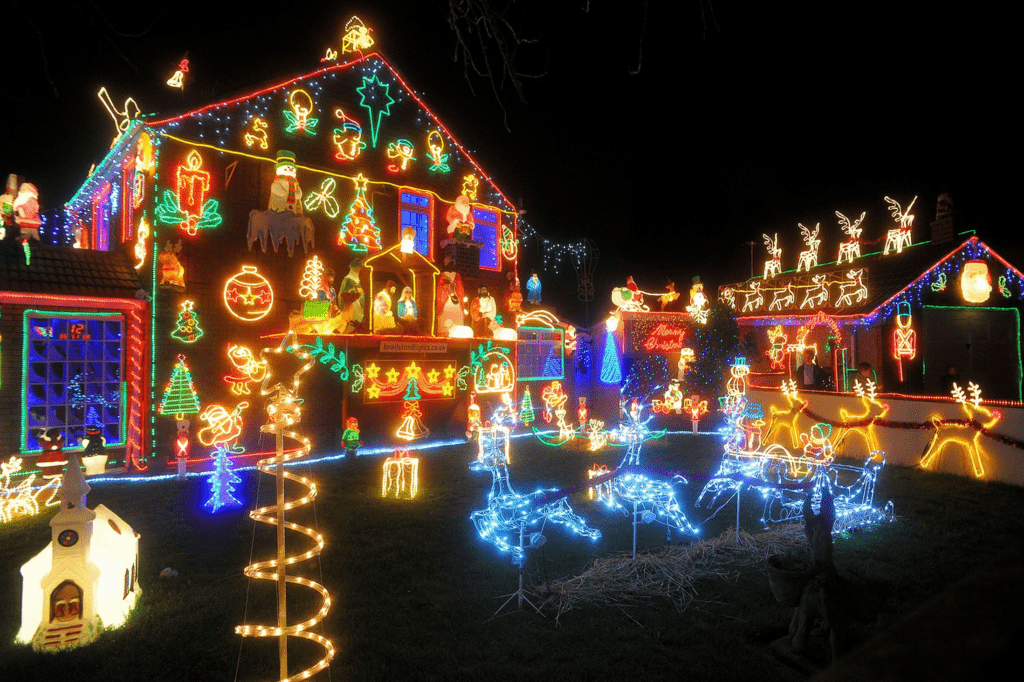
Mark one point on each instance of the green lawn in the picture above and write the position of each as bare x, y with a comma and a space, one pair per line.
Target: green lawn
413, 586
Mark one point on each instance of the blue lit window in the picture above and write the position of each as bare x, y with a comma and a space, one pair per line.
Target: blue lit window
541, 354
72, 375
487, 226
101, 208
416, 210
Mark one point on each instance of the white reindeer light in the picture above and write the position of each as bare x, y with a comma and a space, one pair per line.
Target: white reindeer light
852, 290
899, 237
809, 257
772, 266
850, 249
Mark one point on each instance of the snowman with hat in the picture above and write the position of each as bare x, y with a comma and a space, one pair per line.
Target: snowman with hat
285, 193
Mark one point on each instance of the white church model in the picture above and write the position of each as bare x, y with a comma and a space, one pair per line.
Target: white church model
85, 580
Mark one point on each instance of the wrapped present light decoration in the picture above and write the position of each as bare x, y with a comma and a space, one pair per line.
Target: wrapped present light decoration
400, 477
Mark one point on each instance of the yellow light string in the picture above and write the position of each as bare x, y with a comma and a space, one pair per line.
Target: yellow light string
283, 412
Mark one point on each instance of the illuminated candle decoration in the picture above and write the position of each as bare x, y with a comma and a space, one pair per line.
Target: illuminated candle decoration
772, 266
86, 580
323, 198
298, 114
23, 498
850, 249
359, 231
402, 152
188, 208
438, 159
901, 236
256, 134
975, 281
247, 369
904, 337
357, 37
140, 241
283, 413
374, 96
248, 295
809, 256
187, 326
400, 478
957, 432
470, 183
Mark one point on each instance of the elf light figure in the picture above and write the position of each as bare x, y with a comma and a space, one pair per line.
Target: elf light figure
904, 338
402, 153
350, 438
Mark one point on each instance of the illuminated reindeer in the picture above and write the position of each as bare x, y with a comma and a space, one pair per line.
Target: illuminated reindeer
754, 299
852, 287
959, 432
777, 353
817, 295
850, 249
864, 422
783, 298
786, 419
772, 266
809, 257
899, 237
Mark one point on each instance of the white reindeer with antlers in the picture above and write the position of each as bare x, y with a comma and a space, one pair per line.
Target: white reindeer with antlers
772, 266
899, 237
754, 299
852, 287
783, 298
817, 295
809, 258
850, 249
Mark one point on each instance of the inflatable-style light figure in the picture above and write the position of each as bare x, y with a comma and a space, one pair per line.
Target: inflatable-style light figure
509, 513
283, 412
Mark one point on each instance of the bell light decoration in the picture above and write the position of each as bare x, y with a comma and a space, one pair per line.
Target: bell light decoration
975, 281
86, 579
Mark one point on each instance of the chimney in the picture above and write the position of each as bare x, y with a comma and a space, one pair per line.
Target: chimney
944, 225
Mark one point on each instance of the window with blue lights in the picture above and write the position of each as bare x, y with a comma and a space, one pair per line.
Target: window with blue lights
101, 208
487, 227
541, 354
416, 210
72, 375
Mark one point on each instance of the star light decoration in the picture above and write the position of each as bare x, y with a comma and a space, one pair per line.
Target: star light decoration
375, 97
283, 412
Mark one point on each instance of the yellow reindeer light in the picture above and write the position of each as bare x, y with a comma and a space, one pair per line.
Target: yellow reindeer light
866, 420
947, 432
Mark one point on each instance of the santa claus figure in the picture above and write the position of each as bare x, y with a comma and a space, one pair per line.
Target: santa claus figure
285, 193
26, 211
460, 219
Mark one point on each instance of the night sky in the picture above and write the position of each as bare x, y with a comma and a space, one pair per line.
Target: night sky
745, 121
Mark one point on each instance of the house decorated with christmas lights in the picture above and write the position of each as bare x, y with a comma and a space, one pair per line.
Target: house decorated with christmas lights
335, 204
911, 311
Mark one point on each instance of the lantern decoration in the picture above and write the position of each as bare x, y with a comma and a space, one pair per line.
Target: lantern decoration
772, 266
283, 412
187, 207
438, 159
357, 37
901, 236
248, 295
850, 249
23, 498
187, 329
401, 476
298, 114
359, 231
975, 281
904, 338
809, 257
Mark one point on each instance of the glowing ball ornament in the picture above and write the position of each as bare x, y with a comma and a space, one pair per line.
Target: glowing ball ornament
248, 295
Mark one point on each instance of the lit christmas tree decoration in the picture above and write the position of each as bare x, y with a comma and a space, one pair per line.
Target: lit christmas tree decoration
188, 329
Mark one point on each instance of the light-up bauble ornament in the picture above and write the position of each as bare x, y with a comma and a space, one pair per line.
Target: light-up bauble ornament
975, 281
248, 295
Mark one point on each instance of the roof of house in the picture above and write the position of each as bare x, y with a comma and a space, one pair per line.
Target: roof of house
64, 270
